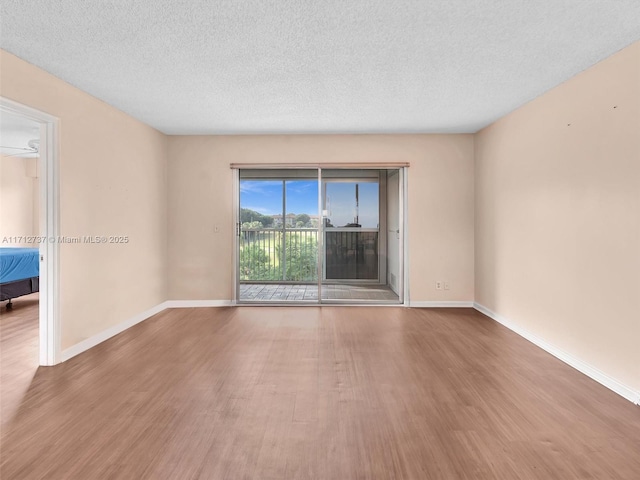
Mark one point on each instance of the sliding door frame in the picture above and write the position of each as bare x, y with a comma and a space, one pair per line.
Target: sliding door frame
236, 235
403, 293
237, 229
320, 243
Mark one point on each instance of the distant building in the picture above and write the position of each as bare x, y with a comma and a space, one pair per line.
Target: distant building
289, 218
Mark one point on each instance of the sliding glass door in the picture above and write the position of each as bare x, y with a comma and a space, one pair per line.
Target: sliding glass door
278, 236
319, 236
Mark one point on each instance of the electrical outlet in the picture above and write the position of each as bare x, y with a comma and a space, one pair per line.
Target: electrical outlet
447, 285
438, 285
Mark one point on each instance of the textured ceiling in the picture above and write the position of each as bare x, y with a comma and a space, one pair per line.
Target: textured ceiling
324, 66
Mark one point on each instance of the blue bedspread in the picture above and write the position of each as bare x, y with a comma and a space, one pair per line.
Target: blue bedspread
18, 263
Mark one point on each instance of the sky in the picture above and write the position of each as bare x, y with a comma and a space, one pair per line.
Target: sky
341, 204
265, 196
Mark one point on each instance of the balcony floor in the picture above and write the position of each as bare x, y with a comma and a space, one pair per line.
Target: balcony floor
273, 292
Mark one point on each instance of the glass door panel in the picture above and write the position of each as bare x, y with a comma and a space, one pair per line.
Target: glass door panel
351, 204
355, 254
351, 229
278, 236
351, 255
260, 238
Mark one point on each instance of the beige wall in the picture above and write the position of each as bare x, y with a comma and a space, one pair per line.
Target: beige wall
112, 182
18, 201
558, 217
440, 204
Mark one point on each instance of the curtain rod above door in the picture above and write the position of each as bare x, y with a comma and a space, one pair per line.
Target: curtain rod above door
367, 165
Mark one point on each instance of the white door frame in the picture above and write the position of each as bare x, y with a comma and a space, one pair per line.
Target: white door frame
236, 236
49, 325
404, 234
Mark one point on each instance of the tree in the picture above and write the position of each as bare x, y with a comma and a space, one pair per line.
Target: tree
255, 263
247, 216
255, 225
302, 218
301, 255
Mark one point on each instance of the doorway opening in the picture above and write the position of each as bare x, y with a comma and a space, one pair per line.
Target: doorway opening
309, 236
28, 235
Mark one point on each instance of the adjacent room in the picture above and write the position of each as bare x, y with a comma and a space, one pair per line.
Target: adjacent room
19, 250
320, 240
19, 208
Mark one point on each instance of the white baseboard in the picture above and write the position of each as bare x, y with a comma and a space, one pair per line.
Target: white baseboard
90, 342
583, 367
443, 304
198, 303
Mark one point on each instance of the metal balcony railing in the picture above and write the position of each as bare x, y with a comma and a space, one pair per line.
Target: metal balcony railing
277, 255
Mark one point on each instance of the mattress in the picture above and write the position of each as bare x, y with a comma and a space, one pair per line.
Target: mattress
18, 263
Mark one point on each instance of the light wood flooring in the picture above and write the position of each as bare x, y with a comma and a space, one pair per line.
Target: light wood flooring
308, 393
